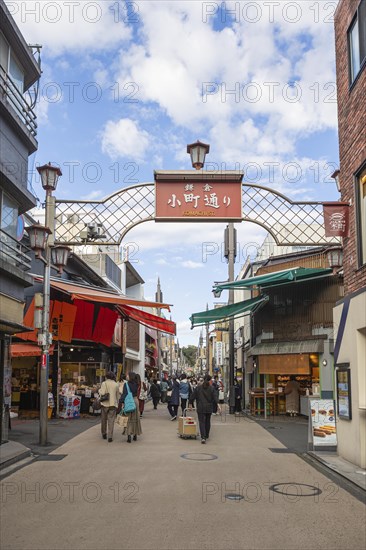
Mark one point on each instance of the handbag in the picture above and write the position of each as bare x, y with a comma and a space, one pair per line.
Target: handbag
143, 395
130, 404
122, 420
105, 396
169, 393
221, 395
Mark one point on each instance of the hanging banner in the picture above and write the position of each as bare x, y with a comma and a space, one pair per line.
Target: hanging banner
336, 219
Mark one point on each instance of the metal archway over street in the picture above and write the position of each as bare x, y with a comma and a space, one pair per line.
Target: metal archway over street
106, 222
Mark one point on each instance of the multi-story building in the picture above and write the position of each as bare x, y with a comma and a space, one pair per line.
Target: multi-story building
350, 312
19, 71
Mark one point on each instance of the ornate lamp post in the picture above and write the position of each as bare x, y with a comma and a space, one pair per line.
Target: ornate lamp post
42, 238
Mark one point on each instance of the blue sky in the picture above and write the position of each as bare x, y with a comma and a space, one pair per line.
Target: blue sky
126, 86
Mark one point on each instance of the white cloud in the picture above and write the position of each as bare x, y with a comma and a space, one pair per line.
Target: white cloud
93, 195
189, 264
73, 27
124, 138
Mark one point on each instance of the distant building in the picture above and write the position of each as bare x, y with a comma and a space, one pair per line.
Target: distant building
19, 71
350, 312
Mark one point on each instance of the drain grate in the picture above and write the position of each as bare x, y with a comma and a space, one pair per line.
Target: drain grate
275, 450
199, 456
50, 458
273, 427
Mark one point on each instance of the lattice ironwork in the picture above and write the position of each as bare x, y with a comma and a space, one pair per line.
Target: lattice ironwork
106, 222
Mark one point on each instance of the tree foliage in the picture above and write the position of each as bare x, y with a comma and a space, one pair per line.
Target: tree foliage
190, 353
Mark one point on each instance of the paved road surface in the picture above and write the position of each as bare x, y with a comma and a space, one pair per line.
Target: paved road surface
144, 495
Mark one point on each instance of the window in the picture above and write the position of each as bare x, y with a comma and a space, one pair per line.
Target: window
10, 65
9, 216
357, 41
361, 191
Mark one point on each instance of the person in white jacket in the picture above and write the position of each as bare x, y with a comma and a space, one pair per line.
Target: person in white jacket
109, 405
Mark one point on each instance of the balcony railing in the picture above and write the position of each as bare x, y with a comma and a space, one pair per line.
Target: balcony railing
10, 93
13, 252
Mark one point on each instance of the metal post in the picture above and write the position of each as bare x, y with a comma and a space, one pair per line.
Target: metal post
171, 353
231, 260
207, 347
45, 359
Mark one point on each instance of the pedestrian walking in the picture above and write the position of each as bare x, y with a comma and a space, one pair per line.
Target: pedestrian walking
221, 391
184, 392
109, 405
155, 393
238, 396
205, 397
215, 387
141, 394
134, 424
163, 390
173, 399
292, 390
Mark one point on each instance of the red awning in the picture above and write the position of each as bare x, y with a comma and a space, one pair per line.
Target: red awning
26, 350
83, 292
149, 320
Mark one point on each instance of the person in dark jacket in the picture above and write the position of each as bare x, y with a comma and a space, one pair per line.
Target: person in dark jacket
215, 386
173, 400
238, 396
134, 424
155, 393
205, 397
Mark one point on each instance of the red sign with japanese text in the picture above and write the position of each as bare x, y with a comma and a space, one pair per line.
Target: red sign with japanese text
198, 201
336, 219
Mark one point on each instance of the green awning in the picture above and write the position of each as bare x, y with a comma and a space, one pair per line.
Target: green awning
226, 312
287, 276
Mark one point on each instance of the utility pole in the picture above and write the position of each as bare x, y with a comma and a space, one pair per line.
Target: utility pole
230, 254
207, 346
159, 298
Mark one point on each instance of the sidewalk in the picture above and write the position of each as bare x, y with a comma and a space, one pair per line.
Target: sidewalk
293, 433
23, 445
240, 491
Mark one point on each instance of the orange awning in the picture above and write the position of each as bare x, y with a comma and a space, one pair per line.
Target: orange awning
83, 292
26, 350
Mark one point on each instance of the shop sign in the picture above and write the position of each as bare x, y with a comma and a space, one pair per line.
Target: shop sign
336, 219
198, 201
100, 372
322, 424
219, 353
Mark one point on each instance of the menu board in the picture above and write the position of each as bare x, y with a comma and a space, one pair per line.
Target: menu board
344, 394
322, 425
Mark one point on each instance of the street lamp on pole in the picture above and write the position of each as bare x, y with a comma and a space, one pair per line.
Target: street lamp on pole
59, 254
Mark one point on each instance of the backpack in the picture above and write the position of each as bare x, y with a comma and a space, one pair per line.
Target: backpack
130, 404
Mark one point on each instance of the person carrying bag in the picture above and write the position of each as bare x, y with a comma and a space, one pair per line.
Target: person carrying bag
108, 398
130, 405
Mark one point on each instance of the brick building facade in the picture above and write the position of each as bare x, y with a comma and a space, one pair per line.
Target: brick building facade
351, 94
349, 315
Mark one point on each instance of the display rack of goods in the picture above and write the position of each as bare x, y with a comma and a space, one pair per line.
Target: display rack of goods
69, 406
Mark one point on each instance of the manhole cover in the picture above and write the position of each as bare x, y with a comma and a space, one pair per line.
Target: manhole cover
292, 489
50, 458
275, 450
199, 456
234, 496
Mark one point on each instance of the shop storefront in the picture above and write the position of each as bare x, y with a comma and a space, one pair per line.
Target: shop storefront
273, 372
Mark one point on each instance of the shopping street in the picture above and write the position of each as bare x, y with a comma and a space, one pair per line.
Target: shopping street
165, 492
